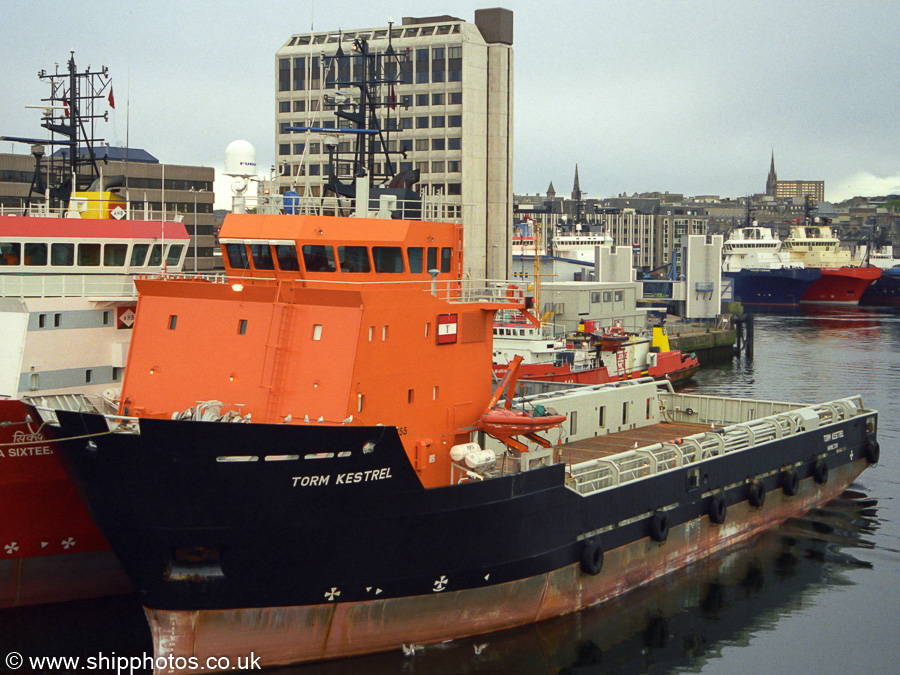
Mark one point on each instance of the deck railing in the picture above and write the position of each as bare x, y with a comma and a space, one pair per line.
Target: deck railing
67, 285
598, 474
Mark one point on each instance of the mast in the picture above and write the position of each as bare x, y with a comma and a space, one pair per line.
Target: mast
374, 75
71, 114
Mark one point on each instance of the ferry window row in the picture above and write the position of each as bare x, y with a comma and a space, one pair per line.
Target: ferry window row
350, 259
65, 254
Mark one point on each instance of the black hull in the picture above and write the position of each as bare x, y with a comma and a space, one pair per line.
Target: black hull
194, 533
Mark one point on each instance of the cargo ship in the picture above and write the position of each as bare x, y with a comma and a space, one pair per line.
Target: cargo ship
310, 461
343, 488
67, 303
762, 271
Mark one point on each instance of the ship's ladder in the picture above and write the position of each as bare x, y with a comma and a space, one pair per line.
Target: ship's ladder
276, 356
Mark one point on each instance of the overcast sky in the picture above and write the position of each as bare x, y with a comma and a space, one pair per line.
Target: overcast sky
681, 96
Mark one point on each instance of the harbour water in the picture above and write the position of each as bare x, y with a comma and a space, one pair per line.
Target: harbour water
816, 595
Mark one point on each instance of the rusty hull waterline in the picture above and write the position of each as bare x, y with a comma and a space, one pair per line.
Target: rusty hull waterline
284, 635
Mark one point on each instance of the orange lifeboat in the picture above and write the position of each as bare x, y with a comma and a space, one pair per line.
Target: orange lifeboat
501, 422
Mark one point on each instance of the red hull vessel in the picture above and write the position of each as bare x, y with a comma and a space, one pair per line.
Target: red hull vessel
840, 285
672, 366
52, 551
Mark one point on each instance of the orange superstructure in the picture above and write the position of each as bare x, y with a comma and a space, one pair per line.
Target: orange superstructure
320, 321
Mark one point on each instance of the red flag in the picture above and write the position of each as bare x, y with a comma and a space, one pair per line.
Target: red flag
66, 106
112, 101
393, 98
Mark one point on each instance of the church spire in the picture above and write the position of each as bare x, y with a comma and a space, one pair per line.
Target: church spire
576, 189
551, 193
772, 180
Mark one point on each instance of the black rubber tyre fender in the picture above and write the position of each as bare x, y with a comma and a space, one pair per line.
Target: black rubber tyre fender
873, 452
757, 494
717, 509
820, 472
659, 526
592, 556
790, 482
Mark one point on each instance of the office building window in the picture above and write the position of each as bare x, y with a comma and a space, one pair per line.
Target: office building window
299, 73
438, 143
421, 99
437, 122
454, 143
454, 120
422, 122
284, 74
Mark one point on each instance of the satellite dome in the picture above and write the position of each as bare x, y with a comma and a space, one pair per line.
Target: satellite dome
240, 159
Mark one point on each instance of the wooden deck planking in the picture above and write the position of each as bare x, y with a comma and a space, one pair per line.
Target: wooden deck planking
611, 444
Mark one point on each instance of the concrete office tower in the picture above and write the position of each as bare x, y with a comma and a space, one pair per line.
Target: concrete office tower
453, 118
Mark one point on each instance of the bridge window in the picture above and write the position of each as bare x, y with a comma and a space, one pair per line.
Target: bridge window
114, 254
432, 258
174, 254
155, 255
388, 259
354, 259
287, 258
262, 257
35, 254
9, 253
318, 258
446, 258
237, 256
138, 254
414, 253
88, 255
62, 254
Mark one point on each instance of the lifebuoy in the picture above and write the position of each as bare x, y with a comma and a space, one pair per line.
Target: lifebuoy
873, 452
820, 472
659, 526
717, 509
757, 496
592, 556
513, 293
790, 482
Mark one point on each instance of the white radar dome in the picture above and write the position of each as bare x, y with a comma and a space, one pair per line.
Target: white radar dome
240, 159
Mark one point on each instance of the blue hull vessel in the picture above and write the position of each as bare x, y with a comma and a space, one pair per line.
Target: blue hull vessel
884, 292
780, 287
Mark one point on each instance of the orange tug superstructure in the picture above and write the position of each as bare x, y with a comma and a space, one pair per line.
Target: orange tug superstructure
324, 320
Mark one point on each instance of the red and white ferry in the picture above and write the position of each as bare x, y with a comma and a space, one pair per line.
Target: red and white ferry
67, 302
